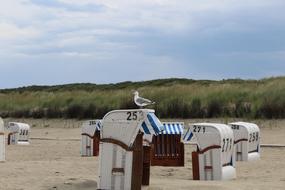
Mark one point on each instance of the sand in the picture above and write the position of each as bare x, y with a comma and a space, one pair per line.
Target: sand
53, 162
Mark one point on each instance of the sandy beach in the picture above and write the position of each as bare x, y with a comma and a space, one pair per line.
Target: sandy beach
52, 162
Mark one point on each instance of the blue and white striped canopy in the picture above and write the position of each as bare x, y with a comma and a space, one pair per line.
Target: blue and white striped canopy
152, 126
188, 135
98, 125
172, 128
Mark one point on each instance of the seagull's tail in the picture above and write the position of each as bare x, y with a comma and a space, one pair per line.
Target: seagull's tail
152, 103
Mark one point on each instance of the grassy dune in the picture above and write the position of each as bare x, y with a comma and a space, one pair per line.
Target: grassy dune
175, 98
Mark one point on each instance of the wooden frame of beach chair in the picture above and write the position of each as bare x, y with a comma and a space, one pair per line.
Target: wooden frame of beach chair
167, 147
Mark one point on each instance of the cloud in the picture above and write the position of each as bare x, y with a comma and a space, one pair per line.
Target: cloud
163, 38
84, 6
12, 31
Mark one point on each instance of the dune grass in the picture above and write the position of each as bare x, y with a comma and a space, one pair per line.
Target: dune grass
175, 98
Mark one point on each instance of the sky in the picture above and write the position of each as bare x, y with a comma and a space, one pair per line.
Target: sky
49, 42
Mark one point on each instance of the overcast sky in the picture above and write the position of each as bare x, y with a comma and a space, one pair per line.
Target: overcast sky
45, 42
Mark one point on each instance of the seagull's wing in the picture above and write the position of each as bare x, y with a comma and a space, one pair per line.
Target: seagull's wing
143, 101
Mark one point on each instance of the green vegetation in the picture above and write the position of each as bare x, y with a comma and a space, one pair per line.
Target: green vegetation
175, 98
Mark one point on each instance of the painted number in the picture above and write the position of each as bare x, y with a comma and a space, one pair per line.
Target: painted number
227, 144
198, 129
132, 115
23, 132
253, 137
235, 127
92, 122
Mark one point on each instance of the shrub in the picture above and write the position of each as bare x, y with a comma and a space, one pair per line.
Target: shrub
195, 110
90, 111
214, 108
53, 112
74, 111
37, 113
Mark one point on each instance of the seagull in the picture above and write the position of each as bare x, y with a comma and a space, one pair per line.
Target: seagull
141, 102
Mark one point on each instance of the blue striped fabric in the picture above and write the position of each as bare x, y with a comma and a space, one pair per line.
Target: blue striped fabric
145, 128
154, 122
98, 125
188, 135
152, 125
173, 128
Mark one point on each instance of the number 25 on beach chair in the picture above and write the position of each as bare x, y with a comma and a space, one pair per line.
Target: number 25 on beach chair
121, 147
